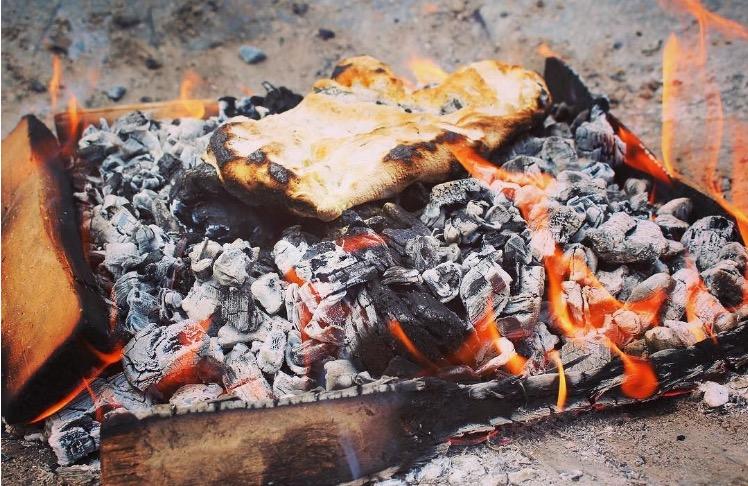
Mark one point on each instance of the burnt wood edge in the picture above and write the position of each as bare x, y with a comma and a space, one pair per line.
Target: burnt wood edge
430, 410
74, 358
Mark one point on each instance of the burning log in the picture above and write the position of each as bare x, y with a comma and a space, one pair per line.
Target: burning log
286, 161
344, 435
55, 327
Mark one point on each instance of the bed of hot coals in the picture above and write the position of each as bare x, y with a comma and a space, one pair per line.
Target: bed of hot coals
213, 299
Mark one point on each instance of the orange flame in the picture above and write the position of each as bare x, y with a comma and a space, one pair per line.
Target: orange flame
194, 108
545, 50
483, 170
640, 158
686, 84
561, 400
426, 71
74, 117
485, 336
105, 360
398, 333
55, 81
639, 378
738, 207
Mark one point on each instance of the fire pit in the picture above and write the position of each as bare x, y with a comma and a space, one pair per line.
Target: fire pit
254, 296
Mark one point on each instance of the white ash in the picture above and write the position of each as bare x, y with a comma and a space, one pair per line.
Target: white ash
715, 395
268, 291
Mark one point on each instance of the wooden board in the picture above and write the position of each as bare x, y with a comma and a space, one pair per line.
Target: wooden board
53, 321
344, 435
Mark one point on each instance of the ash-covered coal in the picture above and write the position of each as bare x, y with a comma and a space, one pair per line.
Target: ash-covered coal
217, 299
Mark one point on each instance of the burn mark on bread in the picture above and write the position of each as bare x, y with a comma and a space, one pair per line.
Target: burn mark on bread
449, 137
219, 146
408, 154
257, 157
339, 69
279, 173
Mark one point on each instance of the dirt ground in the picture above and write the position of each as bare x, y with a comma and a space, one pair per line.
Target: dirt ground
148, 47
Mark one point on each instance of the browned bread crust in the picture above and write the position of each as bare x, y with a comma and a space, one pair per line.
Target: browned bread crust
363, 135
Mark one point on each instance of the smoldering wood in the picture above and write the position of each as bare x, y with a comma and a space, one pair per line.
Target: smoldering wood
382, 425
50, 326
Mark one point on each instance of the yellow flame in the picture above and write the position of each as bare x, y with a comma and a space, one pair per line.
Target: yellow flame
426, 71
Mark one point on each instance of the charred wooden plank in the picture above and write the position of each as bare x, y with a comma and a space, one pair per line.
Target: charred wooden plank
339, 436
52, 318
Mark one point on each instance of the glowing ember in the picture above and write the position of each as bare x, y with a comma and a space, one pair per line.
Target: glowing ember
292, 277
362, 241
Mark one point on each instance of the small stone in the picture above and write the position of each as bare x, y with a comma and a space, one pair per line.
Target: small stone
153, 64
715, 395
251, 54
37, 86
115, 93
325, 34
299, 8
126, 20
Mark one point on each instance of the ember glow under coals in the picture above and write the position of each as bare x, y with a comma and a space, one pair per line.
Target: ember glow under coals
545, 259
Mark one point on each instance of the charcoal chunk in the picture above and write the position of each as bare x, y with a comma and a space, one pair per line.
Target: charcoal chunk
189, 395
623, 239
268, 290
484, 284
705, 238
444, 280
158, 352
679, 208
